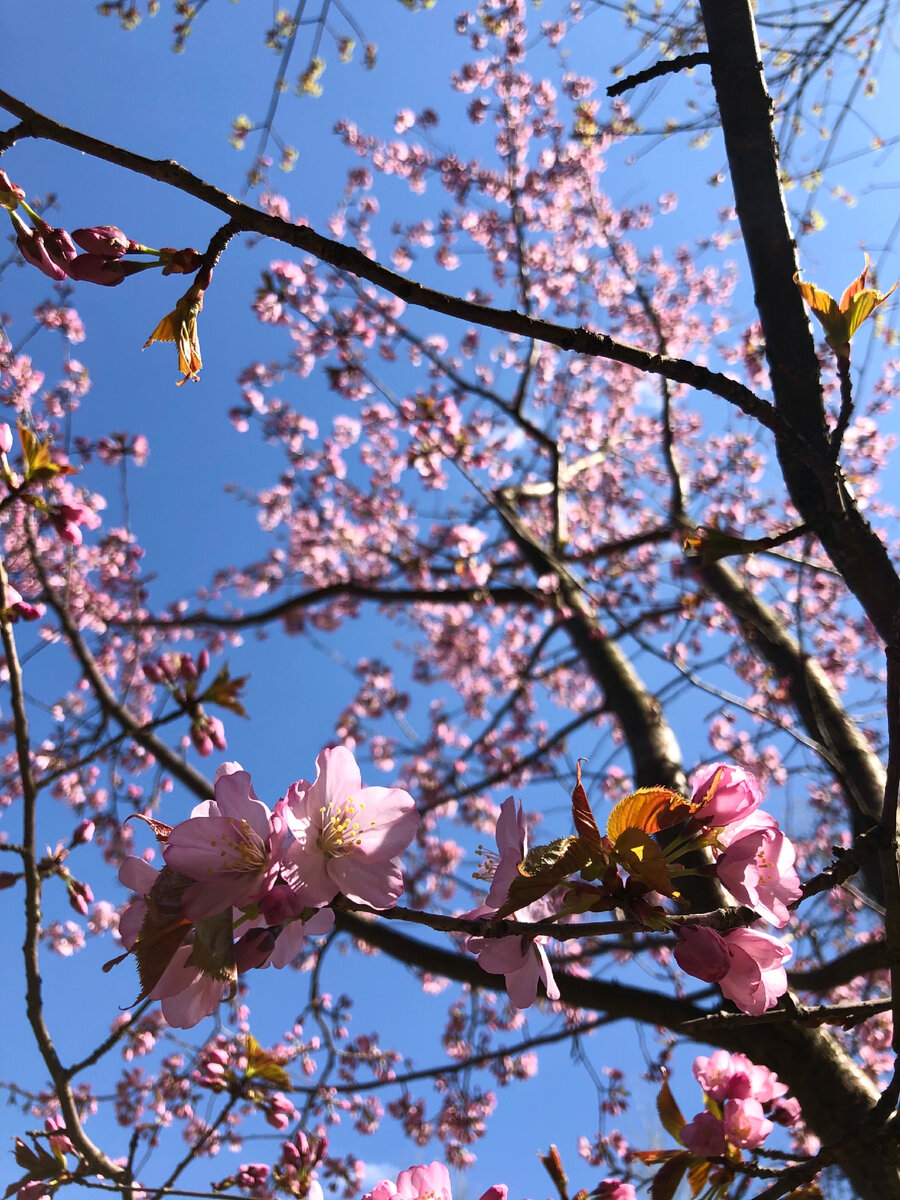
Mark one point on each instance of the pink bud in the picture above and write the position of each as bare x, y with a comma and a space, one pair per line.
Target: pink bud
84, 833
108, 241
188, 667
203, 661
703, 953
80, 896
93, 268
49, 254
6, 438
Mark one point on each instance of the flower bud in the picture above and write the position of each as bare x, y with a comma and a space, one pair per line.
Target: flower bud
80, 896
10, 193
6, 438
107, 241
180, 262
93, 268
84, 833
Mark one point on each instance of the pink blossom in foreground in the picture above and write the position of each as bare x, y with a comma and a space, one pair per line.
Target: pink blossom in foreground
348, 836
724, 793
746, 964
725, 1076
521, 960
426, 1183
224, 846
614, 1189
704, 1136
758, 869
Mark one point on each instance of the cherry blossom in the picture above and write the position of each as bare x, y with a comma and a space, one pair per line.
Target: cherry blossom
430, 1182
746, 964
757, 867
347, 837
724, 794
223, 846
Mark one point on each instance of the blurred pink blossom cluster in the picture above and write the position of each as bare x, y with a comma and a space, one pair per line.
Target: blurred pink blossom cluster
235, 868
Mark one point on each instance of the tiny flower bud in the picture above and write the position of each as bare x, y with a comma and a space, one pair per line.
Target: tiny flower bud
108, 241
6, 438
84, 833
80, 896
93, 268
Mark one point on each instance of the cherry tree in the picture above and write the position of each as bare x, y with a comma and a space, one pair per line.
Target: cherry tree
608, 515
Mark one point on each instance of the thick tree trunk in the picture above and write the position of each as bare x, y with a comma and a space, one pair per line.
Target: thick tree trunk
836, 1097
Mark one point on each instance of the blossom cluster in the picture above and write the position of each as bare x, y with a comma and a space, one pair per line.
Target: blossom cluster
755, 862
743, 1102
236, 869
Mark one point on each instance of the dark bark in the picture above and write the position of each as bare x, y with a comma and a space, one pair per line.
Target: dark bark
820, 496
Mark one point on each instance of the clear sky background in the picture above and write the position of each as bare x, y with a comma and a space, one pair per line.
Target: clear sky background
129, 89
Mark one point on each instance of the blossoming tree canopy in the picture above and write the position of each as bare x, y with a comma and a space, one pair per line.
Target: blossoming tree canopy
548, 512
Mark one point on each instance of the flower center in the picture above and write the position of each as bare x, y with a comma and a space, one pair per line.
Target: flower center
340, 829
243, 849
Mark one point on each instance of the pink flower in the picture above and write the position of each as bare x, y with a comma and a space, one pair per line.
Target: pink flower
758, 870
725, 1076
224, 846
724, 793
522, 960
746, 964
614, 1189
426, 1183
757, 977
704, 1136
348, 836
10, 193
745, 1124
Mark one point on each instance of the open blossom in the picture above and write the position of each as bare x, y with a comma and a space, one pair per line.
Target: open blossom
521, 960
725, 1076
348, 836
187, 993
426, 1183
747, 965
757, 867
724, 794
223, 846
